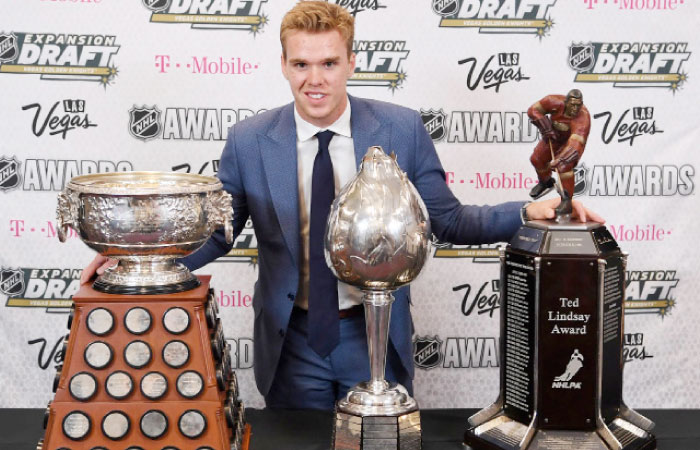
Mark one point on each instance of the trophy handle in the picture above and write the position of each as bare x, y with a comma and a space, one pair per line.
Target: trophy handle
66, 213
220, 213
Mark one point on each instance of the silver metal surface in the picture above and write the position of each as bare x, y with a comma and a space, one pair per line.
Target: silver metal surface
145, 220
176, 320
192, 423
377, 239
82, 386
137, 354
154, 424
176, 354
378, 230
189, 384
115, 425
154, 385
98, 355
100, 321
138, 320
76, 425
119, 385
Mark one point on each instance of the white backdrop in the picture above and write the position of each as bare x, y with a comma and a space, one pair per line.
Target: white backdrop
99, 85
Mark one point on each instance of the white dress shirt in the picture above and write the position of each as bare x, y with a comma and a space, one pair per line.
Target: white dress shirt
342, 151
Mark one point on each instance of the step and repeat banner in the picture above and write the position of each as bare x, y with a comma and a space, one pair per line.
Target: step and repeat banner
117, 85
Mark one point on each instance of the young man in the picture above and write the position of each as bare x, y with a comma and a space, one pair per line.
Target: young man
271, 165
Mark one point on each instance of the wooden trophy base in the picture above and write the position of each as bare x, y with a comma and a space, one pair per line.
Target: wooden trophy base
146, 371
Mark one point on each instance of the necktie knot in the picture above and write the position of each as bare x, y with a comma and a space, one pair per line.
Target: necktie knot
324, 138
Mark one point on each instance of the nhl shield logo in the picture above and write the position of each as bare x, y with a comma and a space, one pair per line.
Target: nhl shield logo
8, 47
426, 352
581, 57
156, 5
144, 123
9, 174
11, 281
434, 123
445, 7
579, 180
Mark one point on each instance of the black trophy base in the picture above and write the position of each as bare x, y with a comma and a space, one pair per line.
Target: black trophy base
351, 432
107, 288
502, 433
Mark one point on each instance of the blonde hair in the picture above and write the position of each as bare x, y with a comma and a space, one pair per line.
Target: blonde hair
315, 17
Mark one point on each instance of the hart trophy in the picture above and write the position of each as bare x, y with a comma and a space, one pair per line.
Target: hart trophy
562, 318
377, 239
146, 358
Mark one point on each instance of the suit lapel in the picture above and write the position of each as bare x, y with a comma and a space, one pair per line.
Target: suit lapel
367, 130
278, 149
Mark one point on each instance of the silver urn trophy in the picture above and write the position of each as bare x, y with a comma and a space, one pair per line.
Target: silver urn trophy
377, 239
145, 220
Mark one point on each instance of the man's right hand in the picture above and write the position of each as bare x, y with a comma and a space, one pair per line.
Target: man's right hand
96, 266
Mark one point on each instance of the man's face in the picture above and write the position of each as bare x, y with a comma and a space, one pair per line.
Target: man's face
317, 67
573, 106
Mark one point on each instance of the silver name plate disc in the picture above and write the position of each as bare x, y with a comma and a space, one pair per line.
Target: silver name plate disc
100, 321
76, 425
189, 384
192, 424
115, 425
98, 355
176, 354
137, 354
154, 385
82, 386
119, 385
137, 320
176, 320
154, 424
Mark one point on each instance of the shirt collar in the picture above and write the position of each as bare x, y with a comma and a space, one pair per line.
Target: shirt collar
306, 130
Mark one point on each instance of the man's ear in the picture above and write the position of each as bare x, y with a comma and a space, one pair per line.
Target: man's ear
283, 62
351, 69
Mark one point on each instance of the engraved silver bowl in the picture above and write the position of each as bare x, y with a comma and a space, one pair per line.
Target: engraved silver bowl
145, 220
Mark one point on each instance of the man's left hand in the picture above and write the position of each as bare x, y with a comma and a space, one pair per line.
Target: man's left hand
545, 210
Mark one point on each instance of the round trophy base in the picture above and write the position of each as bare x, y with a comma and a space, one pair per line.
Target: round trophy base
154, 276
390, 399
108, 288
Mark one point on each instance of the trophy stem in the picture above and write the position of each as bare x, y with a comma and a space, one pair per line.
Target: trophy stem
377, 316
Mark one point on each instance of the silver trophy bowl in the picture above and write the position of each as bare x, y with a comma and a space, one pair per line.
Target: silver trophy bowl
377, 239
145, 220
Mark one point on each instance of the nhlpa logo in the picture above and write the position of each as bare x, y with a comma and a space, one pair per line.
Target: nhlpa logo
8, 47
434, 123
581, 57
156, 5
575, 364
426, 352
445, 7
144, 123
9, 174
11, 281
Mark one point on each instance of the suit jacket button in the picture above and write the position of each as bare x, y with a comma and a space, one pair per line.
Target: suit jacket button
290, 296
281, 333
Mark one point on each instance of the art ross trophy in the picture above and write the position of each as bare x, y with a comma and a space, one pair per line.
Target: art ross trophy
377, 239
562, 317
146, 358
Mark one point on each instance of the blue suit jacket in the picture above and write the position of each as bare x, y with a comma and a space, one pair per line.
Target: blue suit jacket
259, 168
